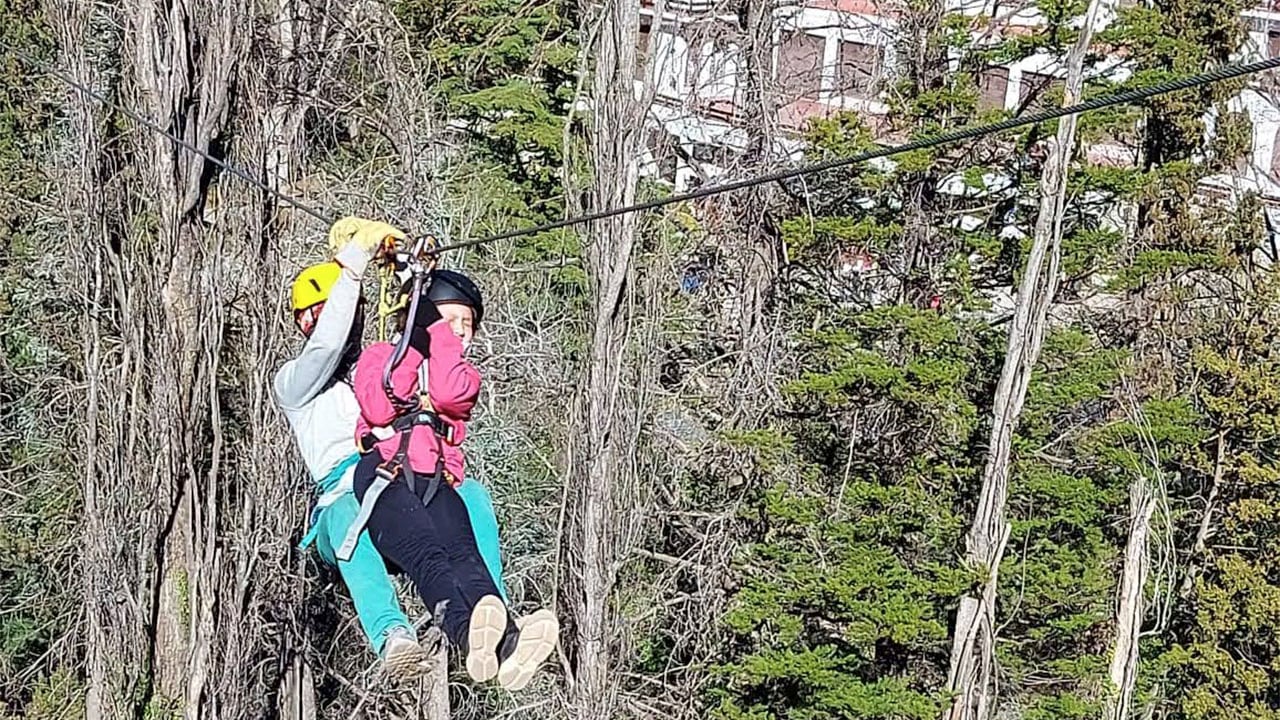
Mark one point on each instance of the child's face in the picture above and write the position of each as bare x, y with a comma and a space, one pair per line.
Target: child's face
461, 320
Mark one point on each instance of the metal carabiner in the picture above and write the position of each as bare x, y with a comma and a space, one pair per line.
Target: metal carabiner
421, 263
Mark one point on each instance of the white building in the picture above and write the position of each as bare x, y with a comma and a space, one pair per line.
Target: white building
830, 56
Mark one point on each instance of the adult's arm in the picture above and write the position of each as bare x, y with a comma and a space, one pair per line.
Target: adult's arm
303, 377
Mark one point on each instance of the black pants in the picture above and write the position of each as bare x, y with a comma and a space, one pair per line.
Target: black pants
433, 544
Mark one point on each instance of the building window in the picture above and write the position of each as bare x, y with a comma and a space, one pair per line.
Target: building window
858, 69
643, 47
1036, 89
662, 148
1275, 158
993, 85
800, 66
721, 66
1273, 43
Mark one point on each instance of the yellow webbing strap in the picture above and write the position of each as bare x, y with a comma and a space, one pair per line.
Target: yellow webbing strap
390, 301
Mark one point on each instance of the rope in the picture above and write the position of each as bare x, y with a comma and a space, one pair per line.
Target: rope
152, 125
929, 141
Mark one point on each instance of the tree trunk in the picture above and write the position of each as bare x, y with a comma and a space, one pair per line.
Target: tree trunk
605, 435
297, 692
1129, 609
108, 603
436, 703
972, 671
756, 254
187, 527
1205, 529
193, 498
923, 56
151, 564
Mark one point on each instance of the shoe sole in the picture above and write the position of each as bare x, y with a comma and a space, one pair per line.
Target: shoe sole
488, 623
539, 633
407, 660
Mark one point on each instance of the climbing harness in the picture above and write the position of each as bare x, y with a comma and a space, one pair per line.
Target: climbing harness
421, 265
419, 412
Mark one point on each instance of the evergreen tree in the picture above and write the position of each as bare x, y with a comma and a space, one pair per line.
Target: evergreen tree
507, 74
1207, 346
872, 388
848, 580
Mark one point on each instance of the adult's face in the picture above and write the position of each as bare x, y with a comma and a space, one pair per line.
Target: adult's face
306, 318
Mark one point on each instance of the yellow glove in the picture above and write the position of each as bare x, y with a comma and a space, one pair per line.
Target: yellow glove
369, 235
354, 241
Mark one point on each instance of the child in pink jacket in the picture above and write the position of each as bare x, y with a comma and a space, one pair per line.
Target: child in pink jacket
453, 386
409, 501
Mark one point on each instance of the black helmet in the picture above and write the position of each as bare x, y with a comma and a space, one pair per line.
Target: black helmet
450, 286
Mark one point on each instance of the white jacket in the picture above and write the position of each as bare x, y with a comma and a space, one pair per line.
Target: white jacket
324, 420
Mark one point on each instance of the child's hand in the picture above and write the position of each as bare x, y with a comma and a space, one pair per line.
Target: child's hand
420, 340
428, 313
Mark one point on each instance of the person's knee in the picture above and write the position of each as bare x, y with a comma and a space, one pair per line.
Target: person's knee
474, 492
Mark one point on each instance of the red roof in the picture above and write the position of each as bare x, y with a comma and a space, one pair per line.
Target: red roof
863, 7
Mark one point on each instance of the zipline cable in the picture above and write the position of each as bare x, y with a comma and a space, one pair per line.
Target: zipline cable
1102, 101
152, 125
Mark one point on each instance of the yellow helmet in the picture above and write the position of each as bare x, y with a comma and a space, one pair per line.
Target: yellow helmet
313, 284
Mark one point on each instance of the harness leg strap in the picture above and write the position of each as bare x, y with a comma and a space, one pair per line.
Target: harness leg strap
434, 485
409, 478
380, 483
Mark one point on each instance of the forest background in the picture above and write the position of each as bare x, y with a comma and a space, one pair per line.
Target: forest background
752, 483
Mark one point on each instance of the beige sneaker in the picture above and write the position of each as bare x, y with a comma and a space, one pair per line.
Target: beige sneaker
488, 624
539, 632
402, 656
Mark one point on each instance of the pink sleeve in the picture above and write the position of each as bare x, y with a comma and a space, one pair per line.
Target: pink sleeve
455, 383
375, 406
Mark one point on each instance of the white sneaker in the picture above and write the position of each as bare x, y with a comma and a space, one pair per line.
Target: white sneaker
402, 656
488, 624
539, 632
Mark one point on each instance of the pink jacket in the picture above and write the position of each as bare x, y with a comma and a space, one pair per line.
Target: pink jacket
453, 386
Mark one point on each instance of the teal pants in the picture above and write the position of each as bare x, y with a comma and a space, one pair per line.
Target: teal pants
484, 525
365, 574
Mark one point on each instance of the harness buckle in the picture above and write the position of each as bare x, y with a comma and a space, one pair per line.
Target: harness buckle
389, 470
406, 423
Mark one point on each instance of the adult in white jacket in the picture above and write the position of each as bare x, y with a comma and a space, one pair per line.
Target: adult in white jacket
313, 391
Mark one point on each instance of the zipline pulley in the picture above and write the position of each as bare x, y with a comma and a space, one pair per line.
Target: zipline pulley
397, 269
